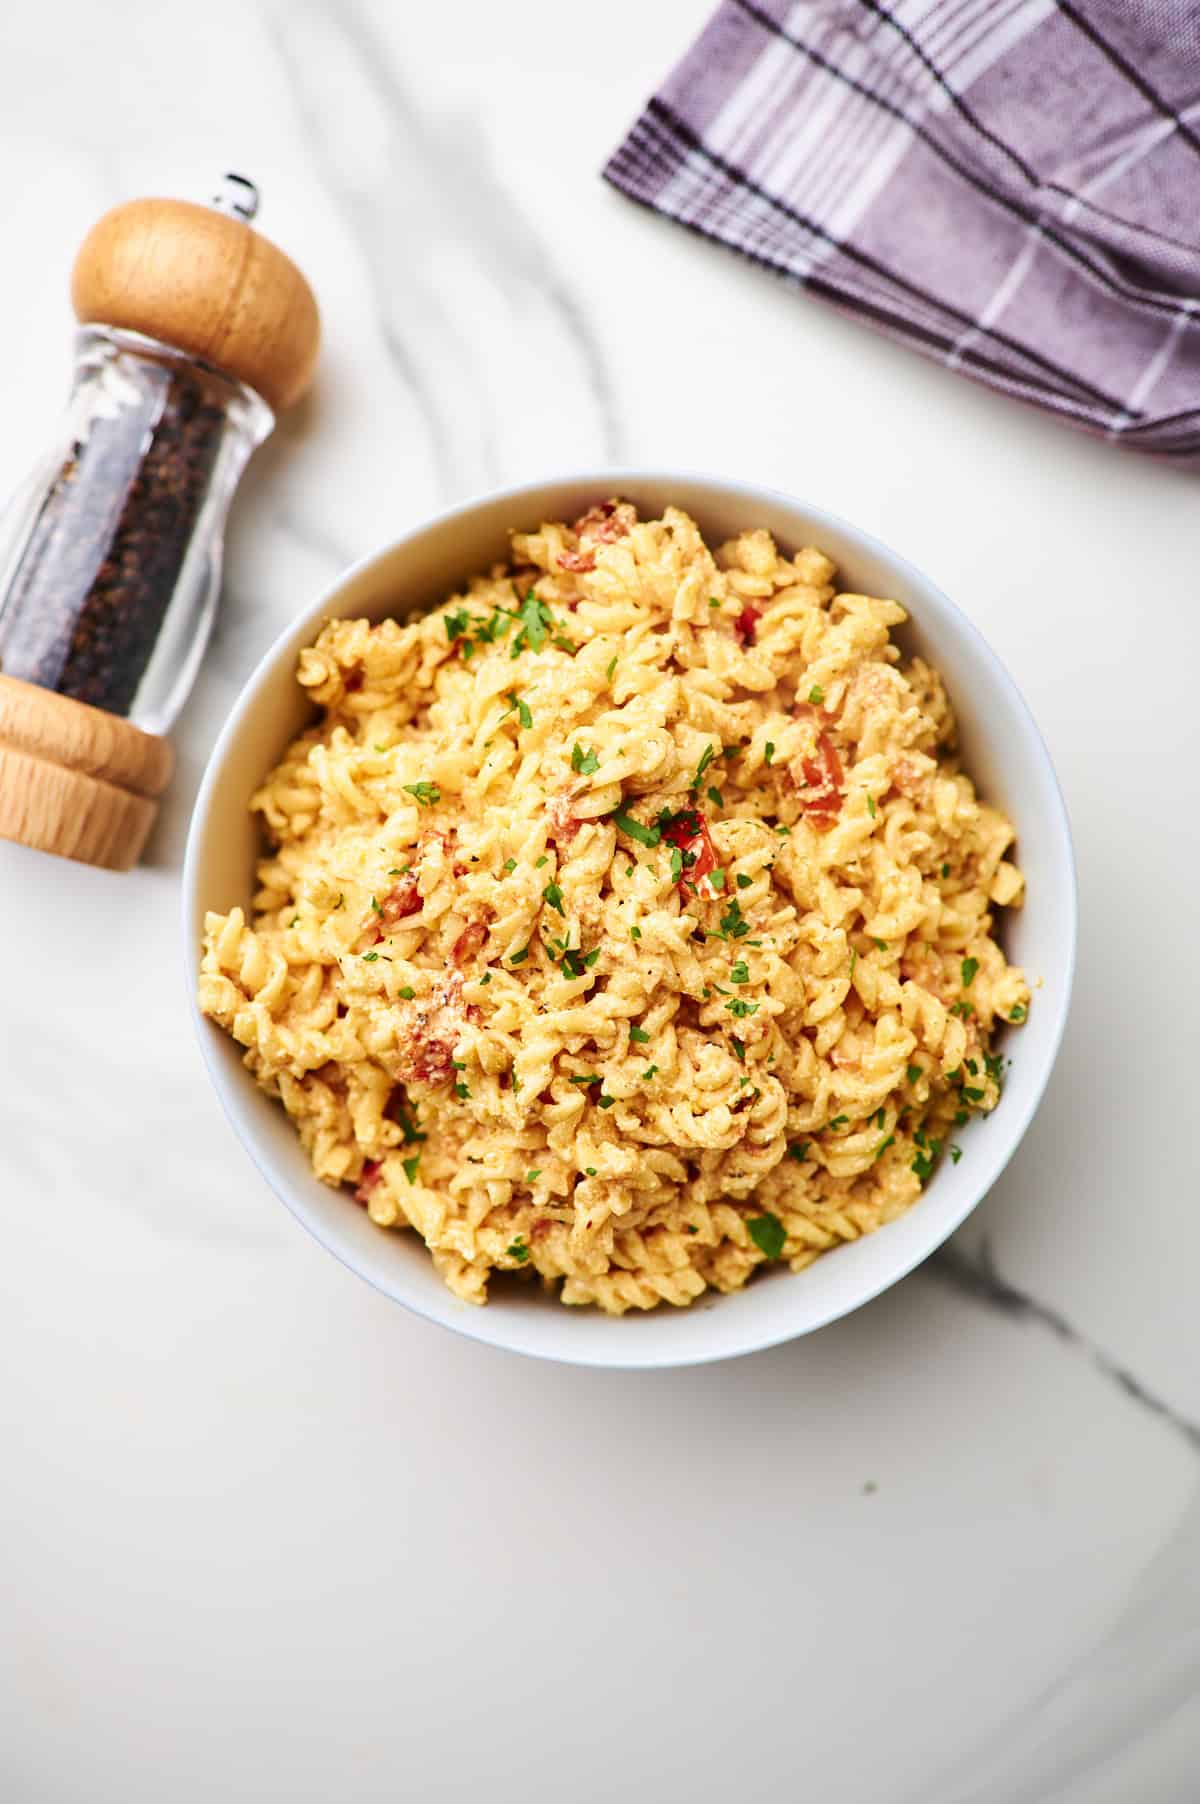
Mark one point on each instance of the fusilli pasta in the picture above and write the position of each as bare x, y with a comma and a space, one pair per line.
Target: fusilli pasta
628, 920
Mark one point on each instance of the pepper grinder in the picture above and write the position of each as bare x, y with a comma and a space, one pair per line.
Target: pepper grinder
195, 331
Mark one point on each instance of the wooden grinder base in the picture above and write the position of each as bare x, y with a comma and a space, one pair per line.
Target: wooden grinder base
75, 780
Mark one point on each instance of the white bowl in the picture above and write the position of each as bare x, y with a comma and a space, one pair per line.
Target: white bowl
1002, 749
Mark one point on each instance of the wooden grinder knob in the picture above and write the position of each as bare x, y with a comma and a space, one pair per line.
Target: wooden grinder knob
75, 779
206, 282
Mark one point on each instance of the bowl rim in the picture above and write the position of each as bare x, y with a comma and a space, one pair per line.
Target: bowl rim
473, 1322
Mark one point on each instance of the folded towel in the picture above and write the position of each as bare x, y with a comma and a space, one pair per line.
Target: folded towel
1011, 186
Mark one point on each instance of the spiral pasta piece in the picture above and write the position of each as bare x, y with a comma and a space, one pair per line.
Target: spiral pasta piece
626, 922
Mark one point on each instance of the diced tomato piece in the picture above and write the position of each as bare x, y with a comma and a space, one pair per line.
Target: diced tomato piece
368, 1181
823, 789
469, 941
746, 624
402, 900
689, 832
606, 521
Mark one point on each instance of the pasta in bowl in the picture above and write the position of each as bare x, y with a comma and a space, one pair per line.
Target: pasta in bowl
628, 919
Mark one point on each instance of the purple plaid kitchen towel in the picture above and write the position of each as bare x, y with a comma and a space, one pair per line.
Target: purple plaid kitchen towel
1012, 186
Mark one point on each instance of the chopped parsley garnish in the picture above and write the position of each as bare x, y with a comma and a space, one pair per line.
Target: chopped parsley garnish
969, 968
713, 602
914, 1074
715, 797
973, 1094
589, 1171
740, 1008
651, 1072
768, 1234
733, 925
768, 752
585, 762
1018, 1013
676, 864
839, 1121
295, 922
635, 933
945, 871
462, 1092
961, 1008
645, 836
426, 793
486, 978
370, 957
882, 944
882, 1148
406, 990
518, 958
816, 695
926, 1157
706, 758
853, 961
510, 864
411, 1167
744, 882
531, 1177
880, 1116
587, 1077
408, 1127
739, 1051
955, 1153
798, 1150
534, 621
552, 896
456, 624
871, 806
639, 1036
523, 712
605, 1102
539, 862
783, 832
518, 1251
375, 906
717, 879
739, 972
609, 672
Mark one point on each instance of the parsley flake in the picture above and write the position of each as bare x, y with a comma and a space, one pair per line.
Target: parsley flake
407, 991
798, 1150
816, 695
552, 896
369, 957
531, 1177
585, 762
969, 968
426, 793
518, 1251
639, 1036
706, 758
739, 972
645, 836
715, 797
1018, 1013
768, 752
740, 1008
871, 806
768, 1234
411, 1166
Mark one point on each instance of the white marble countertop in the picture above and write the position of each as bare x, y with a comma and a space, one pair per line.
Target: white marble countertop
264, 1535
